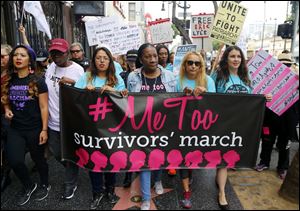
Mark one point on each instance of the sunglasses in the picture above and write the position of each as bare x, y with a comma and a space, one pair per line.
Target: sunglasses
75, 51
190, 63
288, 65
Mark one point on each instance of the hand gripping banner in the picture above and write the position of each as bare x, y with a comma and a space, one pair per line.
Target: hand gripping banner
109, 133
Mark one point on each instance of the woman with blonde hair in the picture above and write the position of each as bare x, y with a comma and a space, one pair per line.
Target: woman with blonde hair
192, 75
192, 80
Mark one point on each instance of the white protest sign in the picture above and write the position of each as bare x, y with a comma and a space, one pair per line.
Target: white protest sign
118, 36
228, 22
271, 76
242, 43
201, 25
180, 53
162, 32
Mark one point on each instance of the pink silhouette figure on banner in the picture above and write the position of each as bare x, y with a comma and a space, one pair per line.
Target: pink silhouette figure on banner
83, 157
214, 158
156, 159
137, 159
100, 161
231, 157
174, 158
118, 160
192, 159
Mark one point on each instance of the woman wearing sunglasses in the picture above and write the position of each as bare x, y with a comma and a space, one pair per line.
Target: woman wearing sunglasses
192, 80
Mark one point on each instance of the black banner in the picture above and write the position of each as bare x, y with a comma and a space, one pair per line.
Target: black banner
159, 131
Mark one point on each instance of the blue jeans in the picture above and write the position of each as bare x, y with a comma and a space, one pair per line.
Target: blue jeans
145, 179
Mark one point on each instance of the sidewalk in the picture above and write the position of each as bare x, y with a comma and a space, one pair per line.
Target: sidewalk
259, 190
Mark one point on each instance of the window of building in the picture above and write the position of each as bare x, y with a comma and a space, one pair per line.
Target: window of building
132, 11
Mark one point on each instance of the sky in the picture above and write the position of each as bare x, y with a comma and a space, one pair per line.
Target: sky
274, 10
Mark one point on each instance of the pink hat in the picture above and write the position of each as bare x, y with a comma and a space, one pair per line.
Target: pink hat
59, 44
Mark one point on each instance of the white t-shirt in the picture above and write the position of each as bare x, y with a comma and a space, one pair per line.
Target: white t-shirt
53, 75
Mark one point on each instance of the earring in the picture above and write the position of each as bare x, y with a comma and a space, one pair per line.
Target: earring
31, 71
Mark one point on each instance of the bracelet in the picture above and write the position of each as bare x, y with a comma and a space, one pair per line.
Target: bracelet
45, 130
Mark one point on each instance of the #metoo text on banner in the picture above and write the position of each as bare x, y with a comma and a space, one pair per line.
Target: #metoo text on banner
143, 131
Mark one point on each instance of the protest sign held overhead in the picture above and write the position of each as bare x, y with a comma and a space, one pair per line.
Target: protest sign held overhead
120, 37
161, 31
228, 22
201, 25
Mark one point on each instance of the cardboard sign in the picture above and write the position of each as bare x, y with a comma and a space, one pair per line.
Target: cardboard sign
118, 36
228, 22
201, 25
271, 76
162, 33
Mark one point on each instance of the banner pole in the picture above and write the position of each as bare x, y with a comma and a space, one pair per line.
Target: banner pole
21, 23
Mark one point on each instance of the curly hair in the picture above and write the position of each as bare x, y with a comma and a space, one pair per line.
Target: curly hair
110, 74
201, 76
12, 74
223, 69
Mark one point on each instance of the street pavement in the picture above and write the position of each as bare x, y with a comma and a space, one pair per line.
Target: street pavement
204, 191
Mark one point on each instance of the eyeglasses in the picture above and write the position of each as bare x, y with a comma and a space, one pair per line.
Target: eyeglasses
190, 63
75, 51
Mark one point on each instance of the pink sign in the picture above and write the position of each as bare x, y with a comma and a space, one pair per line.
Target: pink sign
268, 75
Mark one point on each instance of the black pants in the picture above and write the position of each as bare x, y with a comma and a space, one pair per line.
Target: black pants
17, 142
5, 168
97, 181
283, 128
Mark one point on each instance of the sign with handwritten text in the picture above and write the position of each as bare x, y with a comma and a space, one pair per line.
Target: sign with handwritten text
201, 24
161, 33
271, 76
110, 31
153, 131
228, 22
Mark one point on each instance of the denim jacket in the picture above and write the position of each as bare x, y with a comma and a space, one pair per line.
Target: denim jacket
134, 82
